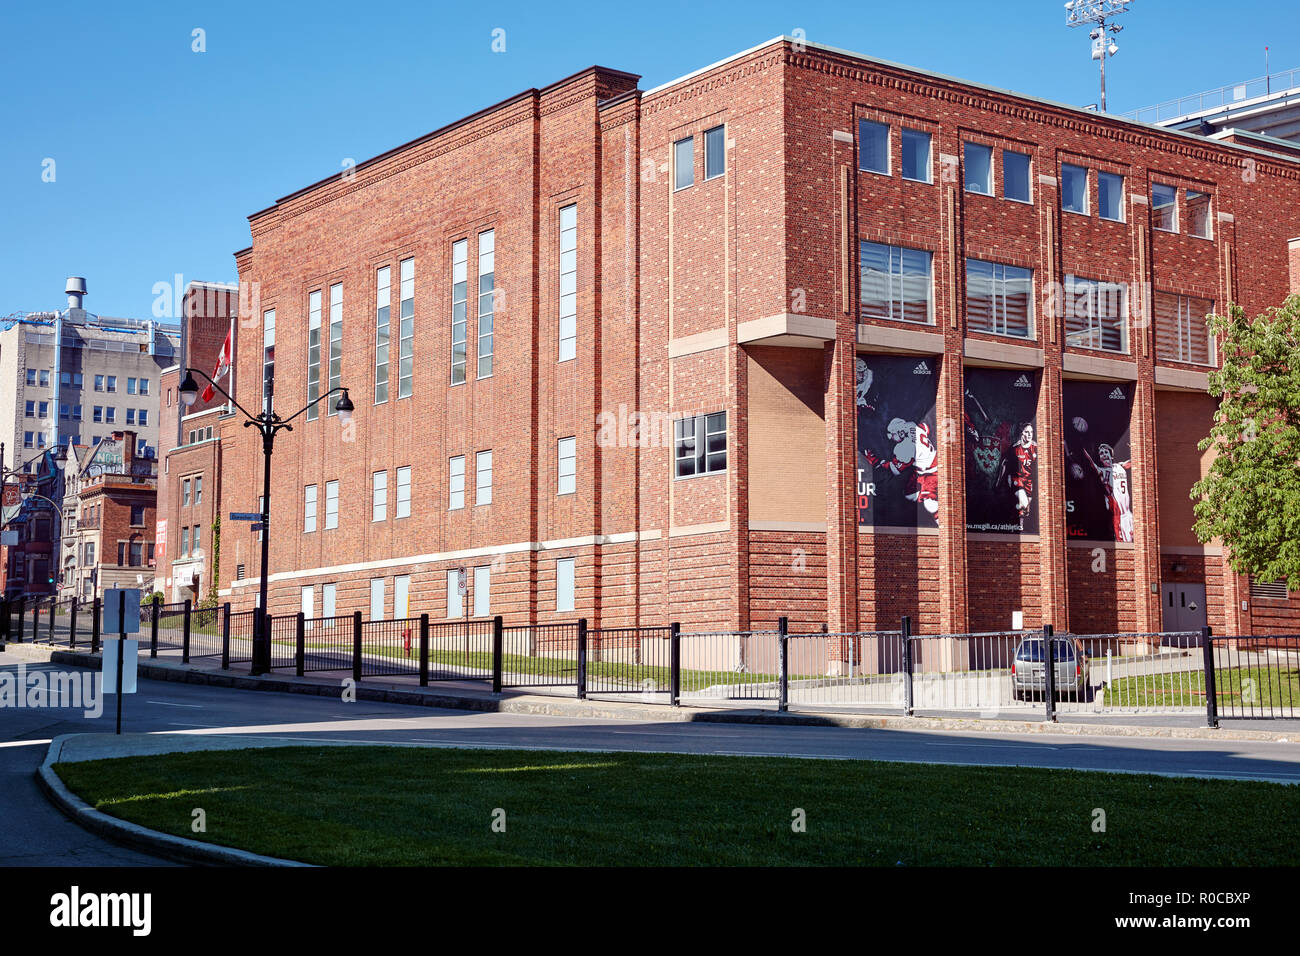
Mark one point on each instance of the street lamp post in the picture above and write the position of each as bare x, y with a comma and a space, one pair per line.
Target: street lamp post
268, 425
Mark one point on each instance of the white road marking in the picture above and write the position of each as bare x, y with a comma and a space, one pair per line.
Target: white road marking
168, 703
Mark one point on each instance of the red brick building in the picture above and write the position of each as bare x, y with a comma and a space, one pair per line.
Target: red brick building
801, 333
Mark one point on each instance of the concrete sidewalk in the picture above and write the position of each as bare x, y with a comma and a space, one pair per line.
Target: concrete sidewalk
456, 696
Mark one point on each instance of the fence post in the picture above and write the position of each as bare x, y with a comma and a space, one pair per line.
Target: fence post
498, 646
22, 620
36, 618
1211, 691
94, 626
905, 631
49, 631
225, 636
72, 624
185, 633
356, 646
675, 664
1049, 673
4, 621
424, 650
783, 663
300, 645
582, 658
156, 603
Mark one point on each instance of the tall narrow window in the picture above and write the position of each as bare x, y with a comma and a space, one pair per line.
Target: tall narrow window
482, 591
268, 358
309, 509
1110, 196
401, 597
895, 283
198, 488
568, 283
456, 483
313, 354
567, 477
978, 160
406, 329
1074, 188
331, 504
684, 163
1164, 208
383, 302
715, 152
999, 299
873, 147
486, 304
328, 593
483, 478
459, 293
376, 599
564, 575
336, 342
403, 492
455, 607
916, 155
1198, 214
379, 496
308, 602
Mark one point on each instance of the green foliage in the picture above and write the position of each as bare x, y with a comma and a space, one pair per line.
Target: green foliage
214, 575
1250, 499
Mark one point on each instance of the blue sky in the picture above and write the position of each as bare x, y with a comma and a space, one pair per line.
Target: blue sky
160, 153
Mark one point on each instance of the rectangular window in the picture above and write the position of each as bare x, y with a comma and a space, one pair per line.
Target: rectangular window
97, 414
328, 594
198, 490
185, 493
40, 439
308, 603
978, 161
895, 283
130, 386
268, 358
568, 283
684, 163
44, 410
336, 343
376, 599
1015, 176
31, 376
195, 543
916, 155
185, 542
715, 152
99, 382
76, 413
64, 412
406, 329
482, 591
313, 354
873, 147
403, 492
110, 414
331, 505
401, 597
137, 553
144, 385
1198, 214
483, 478
456, 483
137, 514
564, 575
112, 382
1074, 188
379, 496
309, 509
459, 294
130, 416
700, 445
31, 409
999, 298
454, 606
486, 299
1110, 196
383, 303
1182, 334
142, 416
567, 477
1164, 208
1096, 314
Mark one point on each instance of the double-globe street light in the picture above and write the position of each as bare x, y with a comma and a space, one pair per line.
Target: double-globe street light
268, 424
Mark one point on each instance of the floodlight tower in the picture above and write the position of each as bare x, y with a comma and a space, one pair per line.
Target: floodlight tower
1096, 13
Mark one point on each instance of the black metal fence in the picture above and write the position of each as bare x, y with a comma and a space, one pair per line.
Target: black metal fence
1252, 676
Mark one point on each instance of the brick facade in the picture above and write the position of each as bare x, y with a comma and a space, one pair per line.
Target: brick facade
739, 294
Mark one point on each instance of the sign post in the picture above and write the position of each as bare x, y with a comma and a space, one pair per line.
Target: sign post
121, 614
462, 585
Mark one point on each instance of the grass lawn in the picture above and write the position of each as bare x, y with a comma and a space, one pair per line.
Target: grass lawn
1275, 688
403, 806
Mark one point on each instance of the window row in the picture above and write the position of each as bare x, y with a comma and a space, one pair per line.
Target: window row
715, 157
1077, 191
875, 155
135, 554
191, 491
191, 545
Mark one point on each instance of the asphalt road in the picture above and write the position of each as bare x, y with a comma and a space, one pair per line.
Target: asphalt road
34, 833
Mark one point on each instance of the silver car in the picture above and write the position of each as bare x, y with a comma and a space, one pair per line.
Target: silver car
1071, 663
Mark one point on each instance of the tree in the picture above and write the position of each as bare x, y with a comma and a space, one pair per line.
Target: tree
1250, 499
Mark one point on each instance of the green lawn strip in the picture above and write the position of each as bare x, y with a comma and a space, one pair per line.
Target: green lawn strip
405, 806
1267, 688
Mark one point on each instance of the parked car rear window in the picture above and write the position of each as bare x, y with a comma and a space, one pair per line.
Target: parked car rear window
1062, 650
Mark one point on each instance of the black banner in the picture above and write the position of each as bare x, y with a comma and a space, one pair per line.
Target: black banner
1099, 503
1001, 425
898, 456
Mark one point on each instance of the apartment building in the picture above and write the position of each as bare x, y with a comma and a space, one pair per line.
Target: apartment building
802, 333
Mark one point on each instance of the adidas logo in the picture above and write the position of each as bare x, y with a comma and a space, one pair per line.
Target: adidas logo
1118, 393
1023, 382
921, 369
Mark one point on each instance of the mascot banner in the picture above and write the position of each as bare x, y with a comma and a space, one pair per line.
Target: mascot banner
1001, 427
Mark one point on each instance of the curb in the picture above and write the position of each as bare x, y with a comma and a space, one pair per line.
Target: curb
539, 705
132, 834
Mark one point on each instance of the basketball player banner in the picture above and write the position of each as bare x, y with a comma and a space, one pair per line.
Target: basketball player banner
1098, 469
1001, 430
898, 457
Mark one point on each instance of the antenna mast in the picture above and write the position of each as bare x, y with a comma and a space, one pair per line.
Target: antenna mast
1096, 13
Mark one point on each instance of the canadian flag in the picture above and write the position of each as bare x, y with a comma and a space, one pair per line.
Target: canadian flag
222, 367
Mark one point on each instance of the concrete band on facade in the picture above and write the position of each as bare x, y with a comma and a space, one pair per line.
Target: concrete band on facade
742, 293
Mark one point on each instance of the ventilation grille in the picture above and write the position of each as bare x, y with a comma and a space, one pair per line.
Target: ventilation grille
1269, 590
